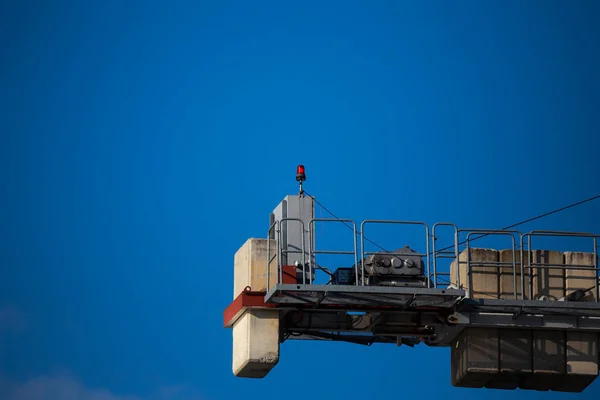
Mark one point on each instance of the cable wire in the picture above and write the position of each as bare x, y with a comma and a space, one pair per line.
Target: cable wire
529, 220
555, 211
343, 222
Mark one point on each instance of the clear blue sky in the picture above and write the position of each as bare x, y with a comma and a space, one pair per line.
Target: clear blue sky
142, 143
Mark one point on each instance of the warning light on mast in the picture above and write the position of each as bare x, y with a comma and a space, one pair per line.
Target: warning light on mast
300, 175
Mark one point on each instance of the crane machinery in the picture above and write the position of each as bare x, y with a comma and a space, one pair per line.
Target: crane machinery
515, 317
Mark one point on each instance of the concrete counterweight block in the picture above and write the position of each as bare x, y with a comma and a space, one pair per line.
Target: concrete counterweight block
250, 266
516, 358
484, 273
584, 278
516, 361
582, 347
256, 333
549, 361
549, 277
549, 347
508, 274
256, 343
582, 361
474, 358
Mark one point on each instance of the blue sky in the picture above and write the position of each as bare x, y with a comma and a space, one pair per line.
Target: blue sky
143, 143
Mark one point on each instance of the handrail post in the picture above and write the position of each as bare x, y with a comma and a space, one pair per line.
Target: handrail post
434, 250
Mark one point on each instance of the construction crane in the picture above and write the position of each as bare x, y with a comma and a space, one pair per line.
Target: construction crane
515, 317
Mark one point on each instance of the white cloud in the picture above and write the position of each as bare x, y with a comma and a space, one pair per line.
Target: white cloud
63, 385
66, 387
56, 388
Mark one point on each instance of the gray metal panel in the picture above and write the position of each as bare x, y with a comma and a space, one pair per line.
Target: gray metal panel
294, 207
363, 296
475, 358
527, 321
575, 307
278, 214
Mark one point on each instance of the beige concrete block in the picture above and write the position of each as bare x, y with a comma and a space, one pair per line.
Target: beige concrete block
549, 362
456, 281
516, 351
507, 288
549, 353
256, 343
581, 278
582, 347
515, 360
582, 353
475, 358
256, 333
548, 282
250, 266
582, 362
484, 276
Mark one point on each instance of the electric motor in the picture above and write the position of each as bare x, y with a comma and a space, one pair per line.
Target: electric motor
403, 267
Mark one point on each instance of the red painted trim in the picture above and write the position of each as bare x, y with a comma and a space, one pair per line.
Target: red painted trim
238, 307
289, 274
250, 299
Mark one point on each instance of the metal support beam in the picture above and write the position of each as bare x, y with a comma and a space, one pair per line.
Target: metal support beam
526, 321
356, 297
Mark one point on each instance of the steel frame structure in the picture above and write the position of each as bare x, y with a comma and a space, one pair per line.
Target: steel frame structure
433, 315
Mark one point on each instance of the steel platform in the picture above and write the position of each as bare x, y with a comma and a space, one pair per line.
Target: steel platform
528, 314
357, 297
546, 307
362, 339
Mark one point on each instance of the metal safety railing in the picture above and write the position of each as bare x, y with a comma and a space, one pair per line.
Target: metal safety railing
395, 222
518, 265
444, 254
491, 264
273, 228
314, 252
531, 264
285, 252
281, 252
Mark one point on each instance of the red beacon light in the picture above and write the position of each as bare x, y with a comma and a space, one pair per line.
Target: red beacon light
300, 175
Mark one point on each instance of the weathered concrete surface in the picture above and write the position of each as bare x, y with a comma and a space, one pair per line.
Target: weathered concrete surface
516, 357
250, 266
256, 334
507, 288
582, 353
516, 346
256, 343
549, 361
537, 360
549, 352
582, 347
474, 358
484, 276
581, 278
548, 282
